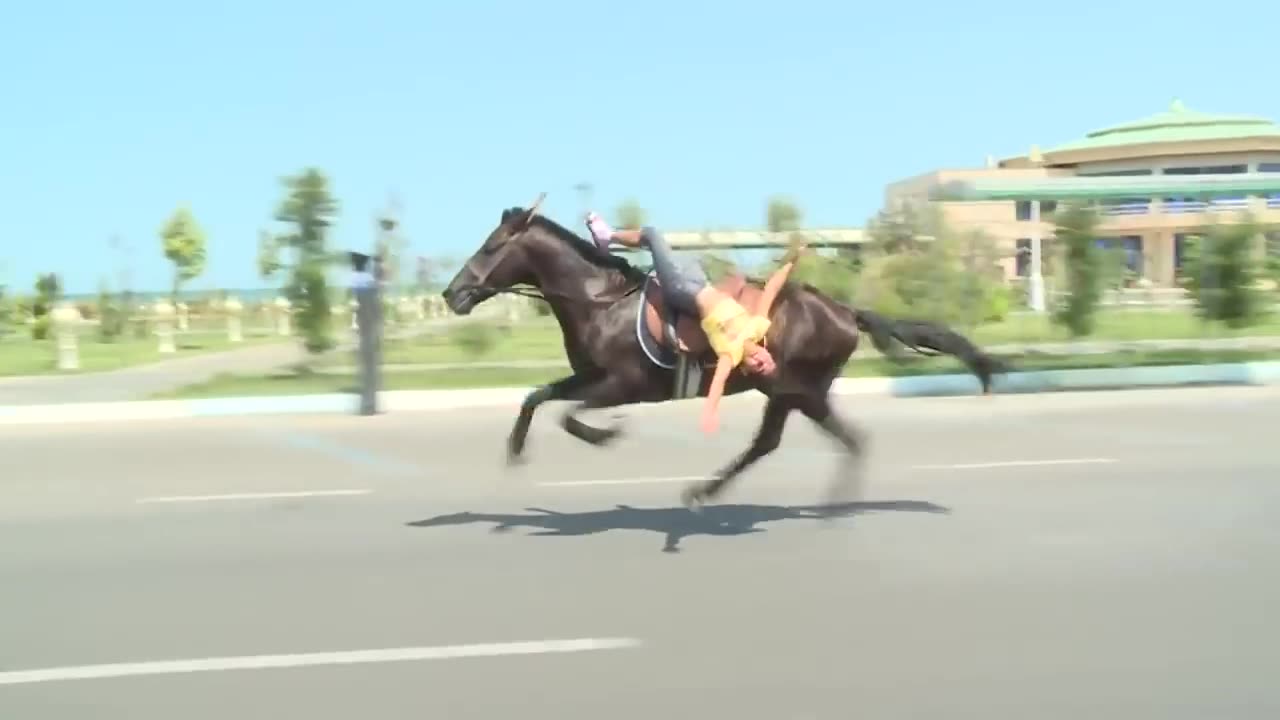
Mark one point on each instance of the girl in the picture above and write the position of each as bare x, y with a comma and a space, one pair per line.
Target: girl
736, 335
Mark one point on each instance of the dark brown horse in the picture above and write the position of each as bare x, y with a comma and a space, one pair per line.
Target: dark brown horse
595, 297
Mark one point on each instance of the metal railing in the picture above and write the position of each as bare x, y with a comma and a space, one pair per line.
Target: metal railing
1128, 208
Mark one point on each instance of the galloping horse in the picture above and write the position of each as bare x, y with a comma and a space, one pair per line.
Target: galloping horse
607, 313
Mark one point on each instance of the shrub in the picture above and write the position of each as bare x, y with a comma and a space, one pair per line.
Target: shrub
474, 338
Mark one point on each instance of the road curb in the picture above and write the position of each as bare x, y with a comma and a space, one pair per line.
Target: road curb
1250, 373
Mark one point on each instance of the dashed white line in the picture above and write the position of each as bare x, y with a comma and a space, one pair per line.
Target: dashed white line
624, 481
1016, 463
251, 496
353, 657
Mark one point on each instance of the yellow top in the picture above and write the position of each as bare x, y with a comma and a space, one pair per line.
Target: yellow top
729, 327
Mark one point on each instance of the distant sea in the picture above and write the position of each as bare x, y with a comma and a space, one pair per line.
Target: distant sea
244, 294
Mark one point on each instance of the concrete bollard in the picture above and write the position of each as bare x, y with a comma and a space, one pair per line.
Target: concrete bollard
404, 311
235, 328
164, 312
65, 319
283, 316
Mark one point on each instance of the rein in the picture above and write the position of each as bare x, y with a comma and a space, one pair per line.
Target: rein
536, 293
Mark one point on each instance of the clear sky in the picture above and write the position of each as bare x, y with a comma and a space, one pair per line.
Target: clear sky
113, 113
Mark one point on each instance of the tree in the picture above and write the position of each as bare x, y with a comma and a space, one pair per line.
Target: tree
630, 214
915, 264
269, 262
8, 308
782, 215
48, 292
309, 207
1085, 267
1271, 253
837, 277
901, 230
1221, 275
184, 245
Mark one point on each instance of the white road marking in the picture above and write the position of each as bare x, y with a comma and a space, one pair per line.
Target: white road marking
1017, 463
353, 657
251, 496
624, 481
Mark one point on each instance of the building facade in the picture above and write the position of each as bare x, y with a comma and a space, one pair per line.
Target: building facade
1152, 231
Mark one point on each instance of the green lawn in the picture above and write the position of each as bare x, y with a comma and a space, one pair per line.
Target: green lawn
20, 355
300, 384
540, 339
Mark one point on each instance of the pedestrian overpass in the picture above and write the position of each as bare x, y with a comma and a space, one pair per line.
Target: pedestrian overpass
759, 239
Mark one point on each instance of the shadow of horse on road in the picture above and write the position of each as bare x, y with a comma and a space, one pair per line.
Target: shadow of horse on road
674, 523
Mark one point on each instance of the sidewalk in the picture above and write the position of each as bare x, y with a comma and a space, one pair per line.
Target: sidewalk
142, 381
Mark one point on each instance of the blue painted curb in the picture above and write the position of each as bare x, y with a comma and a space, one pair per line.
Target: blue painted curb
1251, 373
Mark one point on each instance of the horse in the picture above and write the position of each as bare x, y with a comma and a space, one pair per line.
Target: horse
601, 302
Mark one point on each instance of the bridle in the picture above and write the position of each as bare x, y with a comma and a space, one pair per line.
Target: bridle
533, 293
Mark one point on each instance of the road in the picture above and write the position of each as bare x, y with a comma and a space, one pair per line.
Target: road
1054, 556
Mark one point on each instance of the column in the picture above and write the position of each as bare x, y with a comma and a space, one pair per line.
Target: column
1035, 279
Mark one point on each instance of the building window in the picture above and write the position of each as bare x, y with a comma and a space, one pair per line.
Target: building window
1022, 209
1022, 257
1226, 170
1180, 241
1271, 245
1116, 173
1132, 247
1273, 199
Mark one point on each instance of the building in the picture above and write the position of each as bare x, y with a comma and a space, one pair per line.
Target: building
1177, 142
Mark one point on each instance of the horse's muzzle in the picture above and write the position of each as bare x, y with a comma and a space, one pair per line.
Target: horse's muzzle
465, 299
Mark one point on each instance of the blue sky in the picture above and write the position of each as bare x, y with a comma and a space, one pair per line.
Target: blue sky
114, 113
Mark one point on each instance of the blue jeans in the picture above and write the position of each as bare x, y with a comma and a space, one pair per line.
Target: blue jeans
681, 278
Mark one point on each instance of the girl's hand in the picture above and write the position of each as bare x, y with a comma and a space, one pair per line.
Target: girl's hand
710, 422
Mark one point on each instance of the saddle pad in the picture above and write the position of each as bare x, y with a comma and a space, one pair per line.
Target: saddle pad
659, 354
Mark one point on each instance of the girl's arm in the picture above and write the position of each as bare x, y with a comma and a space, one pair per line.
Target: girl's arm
711, 410
776, 281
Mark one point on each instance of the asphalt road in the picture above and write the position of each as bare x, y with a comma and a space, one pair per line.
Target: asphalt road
1055, 556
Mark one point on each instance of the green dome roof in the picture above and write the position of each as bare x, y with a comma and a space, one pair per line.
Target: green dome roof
1177, 124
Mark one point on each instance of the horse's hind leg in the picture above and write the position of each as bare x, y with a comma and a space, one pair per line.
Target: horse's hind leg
562, 389
819, 410
768, 437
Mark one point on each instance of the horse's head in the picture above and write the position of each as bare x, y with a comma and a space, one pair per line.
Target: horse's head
499, 264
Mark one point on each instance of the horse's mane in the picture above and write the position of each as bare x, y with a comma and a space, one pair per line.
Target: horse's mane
631, 276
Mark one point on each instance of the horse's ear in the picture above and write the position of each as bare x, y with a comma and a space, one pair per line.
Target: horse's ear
506, 215
533, 210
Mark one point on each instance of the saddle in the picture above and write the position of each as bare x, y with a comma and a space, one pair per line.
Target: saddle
683, 335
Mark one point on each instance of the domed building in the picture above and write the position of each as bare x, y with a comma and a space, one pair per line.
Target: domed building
1171, 148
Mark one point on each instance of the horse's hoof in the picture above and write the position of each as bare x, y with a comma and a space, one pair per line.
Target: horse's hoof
693, 498
515, 458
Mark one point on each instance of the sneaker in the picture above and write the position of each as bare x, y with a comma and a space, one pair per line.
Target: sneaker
601, 233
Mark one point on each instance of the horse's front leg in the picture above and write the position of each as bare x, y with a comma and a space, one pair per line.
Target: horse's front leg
609, 392
562, 389
768, 437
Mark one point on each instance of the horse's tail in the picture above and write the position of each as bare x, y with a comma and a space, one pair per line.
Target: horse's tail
930, 339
